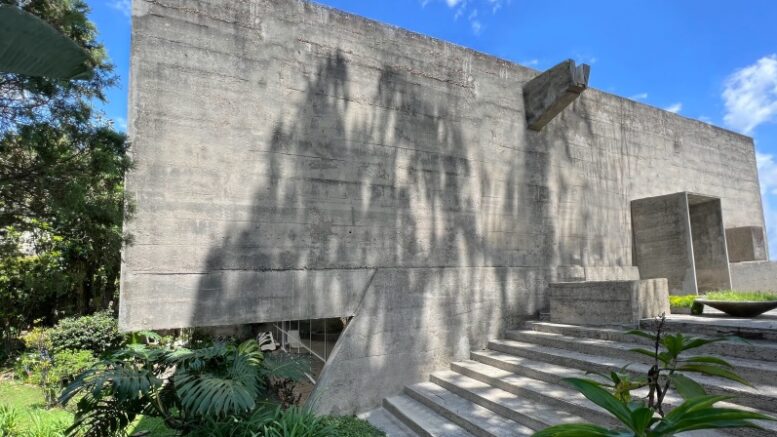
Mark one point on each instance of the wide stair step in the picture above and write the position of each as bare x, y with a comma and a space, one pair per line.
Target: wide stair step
515, 386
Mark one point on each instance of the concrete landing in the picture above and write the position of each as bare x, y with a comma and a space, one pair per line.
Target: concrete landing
714, 322
515, 386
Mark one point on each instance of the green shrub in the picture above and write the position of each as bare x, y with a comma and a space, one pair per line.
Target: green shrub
98, 333
68, 364
687, 301
8, 421
739, 296
37, 339
350, 426
52, 373
682, 301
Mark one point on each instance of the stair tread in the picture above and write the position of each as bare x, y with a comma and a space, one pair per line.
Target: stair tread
624, 347
540, 412
547, 389
569, 394
476, 415
617, 363
387, 422
431, 423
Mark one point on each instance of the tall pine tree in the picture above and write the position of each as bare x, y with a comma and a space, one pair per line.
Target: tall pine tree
61, 172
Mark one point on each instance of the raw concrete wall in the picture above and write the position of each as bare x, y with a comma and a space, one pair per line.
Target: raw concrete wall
608, 303
662, 241
754, 276
709, 244
746, 244
292, 161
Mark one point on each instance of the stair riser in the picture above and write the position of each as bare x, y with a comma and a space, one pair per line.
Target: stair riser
735, 350
493, 406
407, 421
761, 402
715, 331
594, 415
448, 414
753, 375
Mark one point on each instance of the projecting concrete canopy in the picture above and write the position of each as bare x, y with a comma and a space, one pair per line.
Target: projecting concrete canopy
681, 237
548, 94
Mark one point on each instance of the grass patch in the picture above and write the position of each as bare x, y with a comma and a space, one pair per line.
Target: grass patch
740, 296
31, 418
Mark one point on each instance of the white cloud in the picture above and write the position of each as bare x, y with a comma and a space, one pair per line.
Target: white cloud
767, 172
675, 107
767, 175
750, 95
496, 5
530, 62
472, 10
639, 96
476, 25
123, 6
120, 123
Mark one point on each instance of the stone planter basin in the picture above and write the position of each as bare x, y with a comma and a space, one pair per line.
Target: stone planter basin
740, 309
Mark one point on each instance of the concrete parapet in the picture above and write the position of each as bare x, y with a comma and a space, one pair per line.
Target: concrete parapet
608, 302
754, 276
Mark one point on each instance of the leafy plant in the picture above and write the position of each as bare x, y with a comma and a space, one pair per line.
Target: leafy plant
98, 333
8, 421
350, 426
43, 427
687, 301
51, 373
188, 388
646, 417
297, 422
37, 339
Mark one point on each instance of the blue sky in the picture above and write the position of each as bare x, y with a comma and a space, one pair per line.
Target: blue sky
713, 60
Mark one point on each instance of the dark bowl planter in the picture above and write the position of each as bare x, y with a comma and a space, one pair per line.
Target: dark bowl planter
740, 309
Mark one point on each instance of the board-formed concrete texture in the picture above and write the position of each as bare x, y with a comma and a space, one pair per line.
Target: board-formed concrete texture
293, 162
708, 235
662, 241
754, 276
681, 237
609, 302
746, 244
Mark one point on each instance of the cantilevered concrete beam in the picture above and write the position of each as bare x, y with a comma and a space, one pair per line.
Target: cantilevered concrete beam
548, 94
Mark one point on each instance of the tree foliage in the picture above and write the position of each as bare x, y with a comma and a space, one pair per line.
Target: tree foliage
61, 172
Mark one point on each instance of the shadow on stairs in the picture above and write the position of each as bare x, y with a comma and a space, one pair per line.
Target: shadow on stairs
514, 387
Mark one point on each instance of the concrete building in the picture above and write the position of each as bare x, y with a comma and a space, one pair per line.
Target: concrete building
295, 162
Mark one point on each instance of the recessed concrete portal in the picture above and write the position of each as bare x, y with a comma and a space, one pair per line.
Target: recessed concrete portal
681, 237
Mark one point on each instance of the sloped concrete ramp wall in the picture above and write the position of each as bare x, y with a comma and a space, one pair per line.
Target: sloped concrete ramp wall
292, 161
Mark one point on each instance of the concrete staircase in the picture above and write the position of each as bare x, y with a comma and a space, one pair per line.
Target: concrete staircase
514, 387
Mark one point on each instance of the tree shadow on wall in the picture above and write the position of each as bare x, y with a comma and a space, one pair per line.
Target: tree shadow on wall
377, 202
